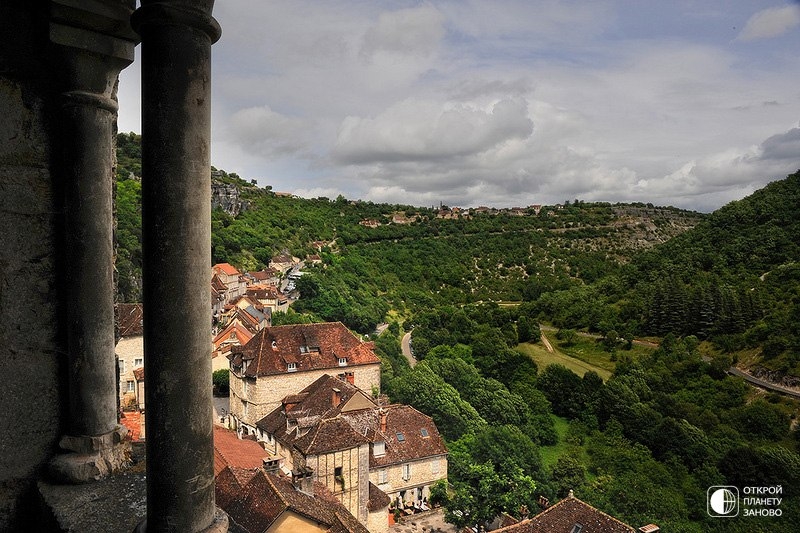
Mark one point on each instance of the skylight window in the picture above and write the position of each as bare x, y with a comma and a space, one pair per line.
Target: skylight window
400, 437
291, 367
577, 528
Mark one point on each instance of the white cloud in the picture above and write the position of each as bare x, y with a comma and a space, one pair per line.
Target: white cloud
270, 133
414, 130
770, 22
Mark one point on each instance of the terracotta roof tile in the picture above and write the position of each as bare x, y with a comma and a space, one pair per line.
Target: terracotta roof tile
309, 346
129, 318
230, 450
226, 268
563, 516
377, 499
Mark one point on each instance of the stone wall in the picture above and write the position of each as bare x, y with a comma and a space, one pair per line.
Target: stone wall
32, 339
266, 393
423, 474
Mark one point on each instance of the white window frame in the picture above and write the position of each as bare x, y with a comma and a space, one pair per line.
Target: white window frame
291, 367
379, 448
406, 471
435, 466
122, 366
343, 361
139, 361
383, 477
130, 386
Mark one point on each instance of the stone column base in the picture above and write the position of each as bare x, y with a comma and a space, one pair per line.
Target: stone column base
218, 525
91, 458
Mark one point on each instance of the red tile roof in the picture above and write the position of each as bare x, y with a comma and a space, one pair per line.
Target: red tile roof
564, 515
133, 421
243, 335
226, 268
308, 346
129, 318
230, 450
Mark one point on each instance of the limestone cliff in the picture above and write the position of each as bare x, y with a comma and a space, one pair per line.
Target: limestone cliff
226, 196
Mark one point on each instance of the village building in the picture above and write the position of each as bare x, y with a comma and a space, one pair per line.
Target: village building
258, 499
283, 262
266, 276
129, 351
369, 456
282, 360
268, 296
235, 284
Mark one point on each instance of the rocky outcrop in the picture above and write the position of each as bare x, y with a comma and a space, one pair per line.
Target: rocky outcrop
773, 376
227, 197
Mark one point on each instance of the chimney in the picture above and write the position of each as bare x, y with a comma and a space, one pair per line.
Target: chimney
302, 480
271, 466
336, 398
383, 421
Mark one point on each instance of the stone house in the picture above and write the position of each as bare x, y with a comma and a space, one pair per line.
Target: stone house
129, 350
269, 296
259, 499
282, 360
366, 454
234, 334
230, 276
283, 262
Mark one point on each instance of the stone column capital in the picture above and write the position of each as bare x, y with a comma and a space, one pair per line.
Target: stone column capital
194, 14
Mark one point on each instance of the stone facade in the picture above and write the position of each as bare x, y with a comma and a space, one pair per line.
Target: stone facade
410, 481
130, 353
251, 399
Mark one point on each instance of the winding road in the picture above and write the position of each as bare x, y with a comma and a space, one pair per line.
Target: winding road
405, 345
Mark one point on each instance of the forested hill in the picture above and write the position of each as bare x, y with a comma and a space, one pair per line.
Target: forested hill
735, 278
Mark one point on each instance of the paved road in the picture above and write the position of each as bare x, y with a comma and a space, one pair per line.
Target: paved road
405, 344
763, 383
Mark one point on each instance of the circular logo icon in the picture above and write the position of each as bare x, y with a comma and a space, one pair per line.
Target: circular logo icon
722, 501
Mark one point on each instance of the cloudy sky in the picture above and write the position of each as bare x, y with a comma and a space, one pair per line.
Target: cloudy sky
691, 103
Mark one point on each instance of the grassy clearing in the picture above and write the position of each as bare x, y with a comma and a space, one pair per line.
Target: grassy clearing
550, 454
543, 358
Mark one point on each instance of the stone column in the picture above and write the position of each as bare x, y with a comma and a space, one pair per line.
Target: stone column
176, 40
92, 44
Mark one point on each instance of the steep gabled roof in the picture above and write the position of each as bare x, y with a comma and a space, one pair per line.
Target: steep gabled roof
235, 327
255, 504
129, 318
563, 516
331, 414
308, 346
420, 437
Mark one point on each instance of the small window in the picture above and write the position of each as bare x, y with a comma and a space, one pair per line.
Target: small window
406, 471
139, 361
400, 437
379, 449
337, 471
122, 366
130, 386
291, 367
424, 433
383, 477
577, 528
343, 361
435, 466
